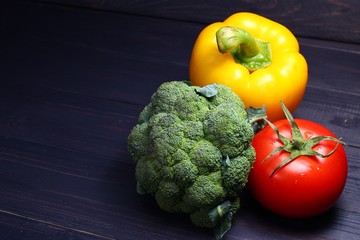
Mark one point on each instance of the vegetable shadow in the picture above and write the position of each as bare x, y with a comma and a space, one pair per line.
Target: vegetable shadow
290, 226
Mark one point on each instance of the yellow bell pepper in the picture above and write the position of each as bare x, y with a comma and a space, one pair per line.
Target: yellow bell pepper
257, 57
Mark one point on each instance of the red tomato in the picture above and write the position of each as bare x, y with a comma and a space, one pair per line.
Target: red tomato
306, 186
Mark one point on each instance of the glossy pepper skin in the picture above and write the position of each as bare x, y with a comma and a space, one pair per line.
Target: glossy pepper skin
284, 79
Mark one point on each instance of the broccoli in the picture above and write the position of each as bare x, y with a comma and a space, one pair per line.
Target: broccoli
192, 152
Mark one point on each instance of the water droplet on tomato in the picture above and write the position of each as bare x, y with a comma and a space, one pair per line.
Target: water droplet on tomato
308, 135
317, 149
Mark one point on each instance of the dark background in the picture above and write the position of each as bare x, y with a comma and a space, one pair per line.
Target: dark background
74, 76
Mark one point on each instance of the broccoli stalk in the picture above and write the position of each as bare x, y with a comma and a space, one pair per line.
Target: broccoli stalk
192, 151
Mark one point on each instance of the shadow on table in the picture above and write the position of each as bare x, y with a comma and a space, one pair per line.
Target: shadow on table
274, 226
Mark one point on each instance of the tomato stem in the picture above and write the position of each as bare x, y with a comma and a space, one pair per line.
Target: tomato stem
244, 48
297, 146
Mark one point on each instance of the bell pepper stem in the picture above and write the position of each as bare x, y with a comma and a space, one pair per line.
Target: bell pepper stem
244, 48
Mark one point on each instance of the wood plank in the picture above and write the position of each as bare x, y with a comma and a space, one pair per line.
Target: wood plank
325, 19
332, 65
144, 43
340, 113
105, 77
16, 226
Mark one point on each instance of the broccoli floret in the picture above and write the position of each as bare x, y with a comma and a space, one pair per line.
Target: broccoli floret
201, 218
192, 151
177, 99
206, 157
206, 191
227, 127
235, 172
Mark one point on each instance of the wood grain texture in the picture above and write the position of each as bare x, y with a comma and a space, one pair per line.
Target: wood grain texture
323, 19
71, 88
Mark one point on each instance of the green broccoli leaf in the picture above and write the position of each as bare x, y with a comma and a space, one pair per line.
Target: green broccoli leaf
139, 189
222, 216
226, 161
208, 91
256, 118
221, 229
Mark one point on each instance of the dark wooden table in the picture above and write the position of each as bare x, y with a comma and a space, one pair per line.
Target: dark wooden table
72, 83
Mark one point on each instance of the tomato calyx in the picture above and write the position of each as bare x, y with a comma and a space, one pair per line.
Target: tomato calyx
297, 146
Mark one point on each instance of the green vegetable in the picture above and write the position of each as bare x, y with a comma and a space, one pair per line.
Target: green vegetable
192, 152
